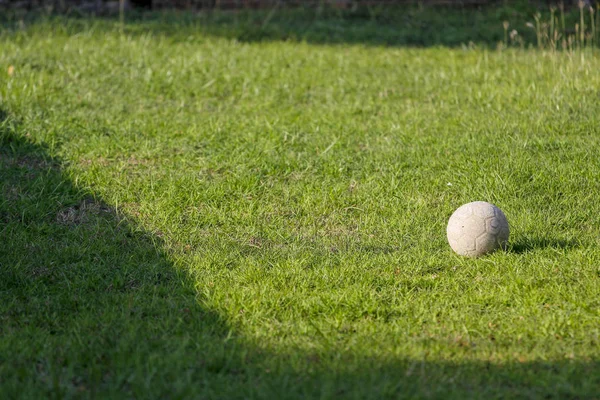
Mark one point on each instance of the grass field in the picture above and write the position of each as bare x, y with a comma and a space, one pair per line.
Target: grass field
184, 214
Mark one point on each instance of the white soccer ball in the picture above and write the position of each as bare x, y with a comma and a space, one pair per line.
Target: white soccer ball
477, 228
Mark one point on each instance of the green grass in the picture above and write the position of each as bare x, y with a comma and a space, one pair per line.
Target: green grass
389, 26
186, 215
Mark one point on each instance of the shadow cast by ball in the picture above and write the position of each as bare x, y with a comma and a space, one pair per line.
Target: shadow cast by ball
528, 244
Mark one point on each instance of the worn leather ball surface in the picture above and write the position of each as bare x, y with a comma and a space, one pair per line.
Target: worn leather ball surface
477, 228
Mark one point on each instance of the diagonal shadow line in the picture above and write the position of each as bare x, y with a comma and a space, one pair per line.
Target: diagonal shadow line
79, 281
91, 307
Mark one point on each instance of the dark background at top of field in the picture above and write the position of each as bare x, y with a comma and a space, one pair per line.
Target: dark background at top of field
412, 23
104, 5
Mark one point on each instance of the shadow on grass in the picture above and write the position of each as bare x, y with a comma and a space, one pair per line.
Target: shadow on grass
87, 300
390, 26
91, 307
528, 244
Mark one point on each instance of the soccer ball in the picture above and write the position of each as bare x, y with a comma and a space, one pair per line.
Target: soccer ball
477, 228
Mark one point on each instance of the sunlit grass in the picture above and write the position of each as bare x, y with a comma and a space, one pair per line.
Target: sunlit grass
190, 215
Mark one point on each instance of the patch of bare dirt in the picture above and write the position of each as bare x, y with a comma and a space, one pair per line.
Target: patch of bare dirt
81, 213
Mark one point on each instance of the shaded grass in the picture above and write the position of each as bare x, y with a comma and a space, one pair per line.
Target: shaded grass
532, 244
219, 219
404, 26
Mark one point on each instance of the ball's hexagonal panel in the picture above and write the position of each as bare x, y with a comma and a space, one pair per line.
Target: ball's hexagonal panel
483, 209
466, 243
502, 218
486, 243
452, 242
473, 226
493, 225
464, 211
454, 231
477, 228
